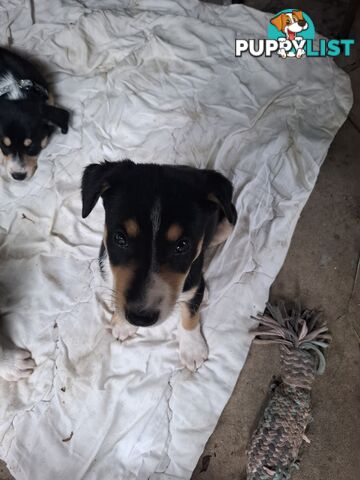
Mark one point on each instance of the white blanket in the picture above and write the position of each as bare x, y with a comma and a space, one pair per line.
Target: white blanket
154, 81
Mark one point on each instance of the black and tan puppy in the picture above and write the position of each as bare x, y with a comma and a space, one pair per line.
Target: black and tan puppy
27, 116
159, 220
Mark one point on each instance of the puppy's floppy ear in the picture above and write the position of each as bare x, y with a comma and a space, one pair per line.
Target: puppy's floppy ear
97, 178
56, 116
278, 22
220, 191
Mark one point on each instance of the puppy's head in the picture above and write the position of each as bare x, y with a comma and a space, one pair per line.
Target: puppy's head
290, 23
25, 127
156, 226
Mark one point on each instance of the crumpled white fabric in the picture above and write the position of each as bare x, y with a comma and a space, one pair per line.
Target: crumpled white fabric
154, 81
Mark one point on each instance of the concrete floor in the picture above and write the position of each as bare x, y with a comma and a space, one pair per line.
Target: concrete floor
322, 270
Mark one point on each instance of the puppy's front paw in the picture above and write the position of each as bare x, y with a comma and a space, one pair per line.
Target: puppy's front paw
121, 329
16, 364
193, 348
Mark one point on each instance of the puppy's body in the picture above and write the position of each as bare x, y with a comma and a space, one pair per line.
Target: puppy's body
27, 115
159, 220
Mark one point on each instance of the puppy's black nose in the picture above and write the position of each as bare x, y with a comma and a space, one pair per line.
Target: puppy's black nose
18, 176
143, 318
301, 23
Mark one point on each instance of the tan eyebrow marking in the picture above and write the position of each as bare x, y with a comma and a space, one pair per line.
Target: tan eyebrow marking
7, 141
27, 142
132, 227
174, 232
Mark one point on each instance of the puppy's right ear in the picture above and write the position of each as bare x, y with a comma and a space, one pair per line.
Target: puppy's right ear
97, 178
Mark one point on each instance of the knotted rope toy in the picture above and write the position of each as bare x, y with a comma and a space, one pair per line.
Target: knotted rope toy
274, 447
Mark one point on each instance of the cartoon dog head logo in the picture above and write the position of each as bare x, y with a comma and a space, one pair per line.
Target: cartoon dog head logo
291, 26
290, 23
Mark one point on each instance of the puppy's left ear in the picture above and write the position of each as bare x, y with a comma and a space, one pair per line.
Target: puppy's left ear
220, 191
56, 116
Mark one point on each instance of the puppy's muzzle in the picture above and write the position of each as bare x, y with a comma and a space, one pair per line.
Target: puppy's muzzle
142, 318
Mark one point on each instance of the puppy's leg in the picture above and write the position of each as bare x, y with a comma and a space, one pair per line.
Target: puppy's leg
15, 363
192, 345
121, 328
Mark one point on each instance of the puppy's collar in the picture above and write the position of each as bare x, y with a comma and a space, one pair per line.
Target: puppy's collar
23, 84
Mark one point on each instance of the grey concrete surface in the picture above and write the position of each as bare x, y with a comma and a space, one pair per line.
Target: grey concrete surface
322, 270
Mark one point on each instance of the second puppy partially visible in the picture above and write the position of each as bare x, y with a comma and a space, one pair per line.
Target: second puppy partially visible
27, 115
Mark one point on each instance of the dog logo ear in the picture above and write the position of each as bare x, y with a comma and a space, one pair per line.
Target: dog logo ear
220, 192
97, 178
299, 14
56, 116
278, 22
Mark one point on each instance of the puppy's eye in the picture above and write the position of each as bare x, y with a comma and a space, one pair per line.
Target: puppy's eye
120, 239
5, 150
182, 246
32, 150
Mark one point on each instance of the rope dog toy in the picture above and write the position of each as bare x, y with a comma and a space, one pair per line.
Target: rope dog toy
275, 444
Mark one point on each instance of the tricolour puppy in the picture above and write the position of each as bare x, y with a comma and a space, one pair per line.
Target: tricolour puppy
159, 220
27, 115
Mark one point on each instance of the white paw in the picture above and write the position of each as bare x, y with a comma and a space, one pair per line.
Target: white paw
193, 348
15, 363
122, 329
